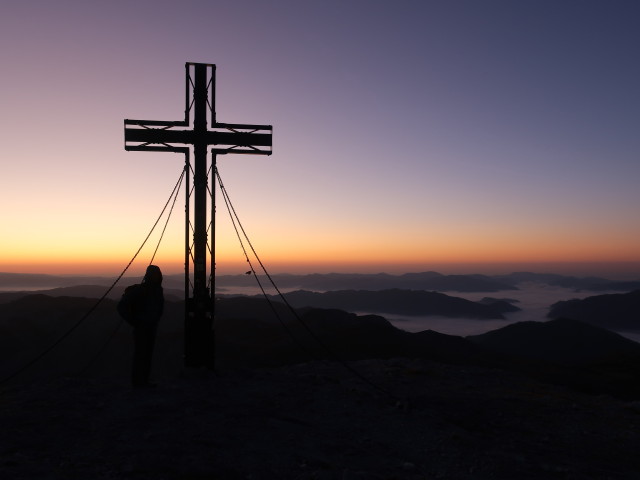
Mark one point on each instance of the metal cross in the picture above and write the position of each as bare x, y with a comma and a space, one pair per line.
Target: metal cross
182, 137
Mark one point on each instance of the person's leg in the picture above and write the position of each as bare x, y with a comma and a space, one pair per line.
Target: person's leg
144, 340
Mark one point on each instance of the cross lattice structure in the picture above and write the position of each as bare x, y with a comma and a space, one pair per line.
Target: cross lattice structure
196, 136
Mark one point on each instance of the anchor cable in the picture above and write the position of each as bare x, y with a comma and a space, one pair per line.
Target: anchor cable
234, 222
322, 344
95, 306
99, 353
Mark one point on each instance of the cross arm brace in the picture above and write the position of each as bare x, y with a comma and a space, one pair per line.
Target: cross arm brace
156, 148
244, 126
155, 123
157, 135
241, 150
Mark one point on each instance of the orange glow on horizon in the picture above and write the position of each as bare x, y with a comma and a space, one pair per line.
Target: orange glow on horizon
461, 248
351, 262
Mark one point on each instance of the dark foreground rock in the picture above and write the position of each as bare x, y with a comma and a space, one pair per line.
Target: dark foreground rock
559, 406
319, 421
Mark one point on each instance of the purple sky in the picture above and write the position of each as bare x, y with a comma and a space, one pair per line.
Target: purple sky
407, 134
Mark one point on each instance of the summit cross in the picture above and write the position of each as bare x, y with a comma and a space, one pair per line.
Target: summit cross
199, 133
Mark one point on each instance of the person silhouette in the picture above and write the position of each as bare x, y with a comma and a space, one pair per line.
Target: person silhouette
149, 306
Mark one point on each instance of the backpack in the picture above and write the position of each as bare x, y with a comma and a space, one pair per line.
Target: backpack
129, 304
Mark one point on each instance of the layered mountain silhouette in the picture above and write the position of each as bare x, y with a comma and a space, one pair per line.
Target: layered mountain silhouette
85, 291
401, 302
561, 341
568, 352
342, 281
248, 329
432, 281
34, 281
380, 281
618, 311
249, 334
595, 284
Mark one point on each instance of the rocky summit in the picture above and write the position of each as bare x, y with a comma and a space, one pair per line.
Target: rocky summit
391, 419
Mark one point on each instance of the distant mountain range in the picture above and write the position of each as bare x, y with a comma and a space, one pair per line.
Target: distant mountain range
86, 291
400, 302
32, 281
595, 284
566, 352
430, 281
379, 281
618, 311
408, 294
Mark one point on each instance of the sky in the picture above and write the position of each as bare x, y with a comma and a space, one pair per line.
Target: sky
409, 135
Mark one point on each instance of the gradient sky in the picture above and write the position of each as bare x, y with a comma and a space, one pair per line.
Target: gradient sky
408, 135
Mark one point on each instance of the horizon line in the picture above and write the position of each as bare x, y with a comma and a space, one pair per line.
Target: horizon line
619, 270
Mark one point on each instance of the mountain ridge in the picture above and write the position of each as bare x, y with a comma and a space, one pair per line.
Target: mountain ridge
399, 302
620, 311
249, 336
429, 280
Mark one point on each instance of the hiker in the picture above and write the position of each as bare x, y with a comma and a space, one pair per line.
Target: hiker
147, 310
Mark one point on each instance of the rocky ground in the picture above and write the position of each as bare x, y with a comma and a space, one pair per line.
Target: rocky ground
421, 420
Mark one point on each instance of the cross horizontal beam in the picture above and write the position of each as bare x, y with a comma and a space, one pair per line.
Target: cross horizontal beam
157, 135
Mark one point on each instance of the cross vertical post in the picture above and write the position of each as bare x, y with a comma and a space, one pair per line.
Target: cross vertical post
220, 139
197, 326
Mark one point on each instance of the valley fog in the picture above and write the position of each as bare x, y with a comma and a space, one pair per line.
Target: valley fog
533, 298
